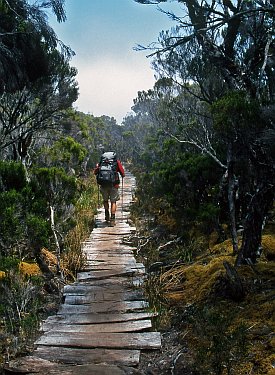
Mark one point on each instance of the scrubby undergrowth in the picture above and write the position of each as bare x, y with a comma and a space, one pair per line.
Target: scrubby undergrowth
207, 328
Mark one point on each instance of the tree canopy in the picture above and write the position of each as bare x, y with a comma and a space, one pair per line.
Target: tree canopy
26, 40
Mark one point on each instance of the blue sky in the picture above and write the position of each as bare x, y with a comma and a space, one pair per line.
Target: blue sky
103, 33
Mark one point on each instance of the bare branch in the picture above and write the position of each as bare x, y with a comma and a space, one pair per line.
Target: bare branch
202, 148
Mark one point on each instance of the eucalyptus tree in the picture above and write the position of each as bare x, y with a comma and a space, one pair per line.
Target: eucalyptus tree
227, 49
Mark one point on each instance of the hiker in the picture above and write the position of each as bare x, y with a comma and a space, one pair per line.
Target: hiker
107, 173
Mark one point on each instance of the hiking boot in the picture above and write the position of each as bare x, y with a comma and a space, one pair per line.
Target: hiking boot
107, 215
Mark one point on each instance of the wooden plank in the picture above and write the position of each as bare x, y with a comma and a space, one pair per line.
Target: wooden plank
110, 257
116, 280
97, 275
98, 291
111, 282
114, 232
100, 296
38, 366
98, 318
104, 248
127, 262
131, 326
111, 260
103, 307
95, 266
126, 340
89, 287
85, 356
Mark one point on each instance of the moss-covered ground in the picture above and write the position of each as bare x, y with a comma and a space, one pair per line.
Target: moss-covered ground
221, 333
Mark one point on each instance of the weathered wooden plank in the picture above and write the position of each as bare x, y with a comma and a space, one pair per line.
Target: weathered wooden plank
105, 248
127, 262
119, 229
38, 366
103, 295
95, 266
93, 275
98, 291
88, 287
103, 307
111, 258
98, 318
125, 281
125, 340
107, 254
131, 326
85, 356
97, 275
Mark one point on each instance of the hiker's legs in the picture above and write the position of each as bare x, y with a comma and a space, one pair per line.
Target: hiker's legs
113, 208
114, 197
107, 213
105, 191
112, 194
113, 214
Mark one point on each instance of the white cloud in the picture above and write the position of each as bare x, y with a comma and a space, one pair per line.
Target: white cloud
108, 87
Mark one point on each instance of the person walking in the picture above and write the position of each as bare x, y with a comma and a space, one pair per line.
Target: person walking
107, 172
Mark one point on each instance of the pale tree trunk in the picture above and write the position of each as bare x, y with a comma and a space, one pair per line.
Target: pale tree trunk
58, 251
231, 195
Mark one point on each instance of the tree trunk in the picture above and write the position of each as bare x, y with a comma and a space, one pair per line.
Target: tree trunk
235, 286
58, 252
231, 195
232, 185
254, 221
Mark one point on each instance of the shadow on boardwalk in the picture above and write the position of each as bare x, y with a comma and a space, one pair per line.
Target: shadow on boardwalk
103, 324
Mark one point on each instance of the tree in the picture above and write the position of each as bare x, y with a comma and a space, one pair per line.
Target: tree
27, 112
25, 40
228, 49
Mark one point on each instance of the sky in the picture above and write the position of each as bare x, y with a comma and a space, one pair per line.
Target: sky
103, 33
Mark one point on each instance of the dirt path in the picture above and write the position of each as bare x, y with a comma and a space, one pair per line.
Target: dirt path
104, 323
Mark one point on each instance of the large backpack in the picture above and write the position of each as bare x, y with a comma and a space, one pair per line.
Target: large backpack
107, 171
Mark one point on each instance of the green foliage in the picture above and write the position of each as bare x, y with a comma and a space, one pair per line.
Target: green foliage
207, 214
65, 153
235, 114
8, 263
24, 55
11, 219
187, 183
55, 185
70, 148
12, 176
38, 230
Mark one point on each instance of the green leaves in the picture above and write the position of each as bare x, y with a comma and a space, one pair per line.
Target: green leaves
12, 176
236, 115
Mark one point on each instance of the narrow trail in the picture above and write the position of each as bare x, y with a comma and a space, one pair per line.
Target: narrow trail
103, 324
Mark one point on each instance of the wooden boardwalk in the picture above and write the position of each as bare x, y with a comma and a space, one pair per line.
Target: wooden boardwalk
104, 323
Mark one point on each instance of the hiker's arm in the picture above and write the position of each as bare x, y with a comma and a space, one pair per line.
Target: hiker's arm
120, 169
96, 169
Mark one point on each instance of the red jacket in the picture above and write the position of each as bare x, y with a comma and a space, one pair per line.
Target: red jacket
119, 169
